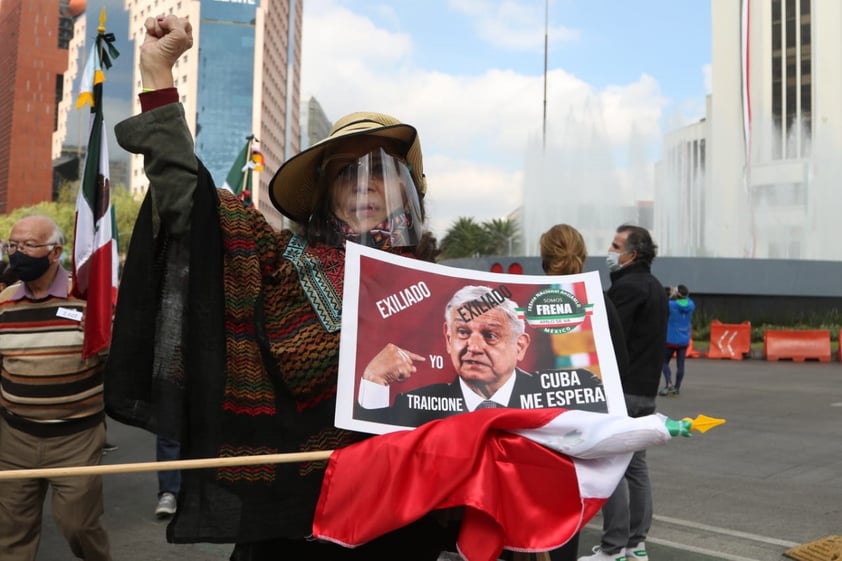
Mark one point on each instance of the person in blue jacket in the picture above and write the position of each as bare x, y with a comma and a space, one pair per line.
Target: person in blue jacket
679, 333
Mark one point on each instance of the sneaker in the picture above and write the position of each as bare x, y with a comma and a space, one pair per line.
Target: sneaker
666, 391
166, 506
675, 391
599, 555
637, 553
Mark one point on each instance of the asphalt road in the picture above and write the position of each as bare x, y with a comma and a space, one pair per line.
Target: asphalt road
766, 481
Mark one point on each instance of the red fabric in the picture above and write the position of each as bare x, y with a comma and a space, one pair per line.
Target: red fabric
518, 494
157, 98
99, 309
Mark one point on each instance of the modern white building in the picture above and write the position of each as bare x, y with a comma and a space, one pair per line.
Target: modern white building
238, 79
680, 183
75, 57
756, 177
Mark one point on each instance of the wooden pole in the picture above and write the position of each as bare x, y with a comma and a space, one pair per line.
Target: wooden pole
166, 466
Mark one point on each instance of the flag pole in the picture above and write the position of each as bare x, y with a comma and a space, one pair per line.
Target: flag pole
247, 167
200, 463
100, 48
101, 31
702, 423
546, 40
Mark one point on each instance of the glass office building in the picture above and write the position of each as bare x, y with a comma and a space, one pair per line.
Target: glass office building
225, 96
240, 78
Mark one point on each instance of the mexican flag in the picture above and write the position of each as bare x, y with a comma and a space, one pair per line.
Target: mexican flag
529, 479
239, 179
95, 265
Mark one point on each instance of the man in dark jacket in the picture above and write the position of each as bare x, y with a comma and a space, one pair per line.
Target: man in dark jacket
644, 310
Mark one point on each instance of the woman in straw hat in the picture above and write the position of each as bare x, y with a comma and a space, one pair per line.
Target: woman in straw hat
227, 334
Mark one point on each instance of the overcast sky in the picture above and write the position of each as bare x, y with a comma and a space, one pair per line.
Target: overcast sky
469, 74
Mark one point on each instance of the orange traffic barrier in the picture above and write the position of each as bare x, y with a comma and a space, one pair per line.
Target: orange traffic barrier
798, 345
729, 340
691, 352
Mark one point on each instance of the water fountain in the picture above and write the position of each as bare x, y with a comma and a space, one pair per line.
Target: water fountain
574, 180
793, 197
706, 203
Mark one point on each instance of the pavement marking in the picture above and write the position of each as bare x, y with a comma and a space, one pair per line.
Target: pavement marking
700, 550
837, 404
712, 529
726, 531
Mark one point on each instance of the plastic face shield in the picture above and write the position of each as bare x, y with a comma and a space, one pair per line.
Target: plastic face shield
375, 196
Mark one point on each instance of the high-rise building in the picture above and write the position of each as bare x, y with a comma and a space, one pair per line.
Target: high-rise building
240, 78
318, 125
767, 152
64, 147
35, 36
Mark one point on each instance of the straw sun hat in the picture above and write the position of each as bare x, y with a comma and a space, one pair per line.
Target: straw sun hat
295, 188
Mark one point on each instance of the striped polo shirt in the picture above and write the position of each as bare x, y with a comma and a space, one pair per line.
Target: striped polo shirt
46, 388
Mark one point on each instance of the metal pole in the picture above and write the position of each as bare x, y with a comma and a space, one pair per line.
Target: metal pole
546, 34
247, 168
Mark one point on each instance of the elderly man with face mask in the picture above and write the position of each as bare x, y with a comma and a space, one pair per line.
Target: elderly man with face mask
51, 404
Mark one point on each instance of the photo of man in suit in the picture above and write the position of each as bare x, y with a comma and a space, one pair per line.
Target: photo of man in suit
485, 337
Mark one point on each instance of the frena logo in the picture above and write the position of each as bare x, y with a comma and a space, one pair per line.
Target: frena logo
556, 311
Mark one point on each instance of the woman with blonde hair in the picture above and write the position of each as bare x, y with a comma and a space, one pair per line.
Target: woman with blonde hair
563, 252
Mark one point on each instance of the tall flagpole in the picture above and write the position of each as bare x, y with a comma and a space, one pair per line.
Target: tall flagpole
546, 26
247, 167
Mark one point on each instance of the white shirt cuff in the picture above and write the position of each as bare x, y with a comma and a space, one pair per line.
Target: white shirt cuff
373, 395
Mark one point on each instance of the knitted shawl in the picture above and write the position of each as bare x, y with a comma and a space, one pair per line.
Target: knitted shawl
228, 342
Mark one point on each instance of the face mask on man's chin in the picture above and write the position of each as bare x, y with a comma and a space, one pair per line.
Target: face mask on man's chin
613, 261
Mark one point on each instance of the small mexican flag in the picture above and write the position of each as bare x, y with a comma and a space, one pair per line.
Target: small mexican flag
239, 180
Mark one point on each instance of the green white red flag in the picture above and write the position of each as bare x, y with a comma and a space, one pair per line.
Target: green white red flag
239, 178
94, 263
526, 479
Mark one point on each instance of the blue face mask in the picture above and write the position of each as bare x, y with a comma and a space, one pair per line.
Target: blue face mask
613, 261
28, 268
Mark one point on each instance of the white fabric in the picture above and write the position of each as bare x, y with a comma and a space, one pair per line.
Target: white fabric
376, 396
600, 445
501, 396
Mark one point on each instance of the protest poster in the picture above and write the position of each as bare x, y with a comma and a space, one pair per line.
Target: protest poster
394, 315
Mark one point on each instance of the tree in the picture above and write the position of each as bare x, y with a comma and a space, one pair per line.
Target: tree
63, 212
126, 208
463, 239
501, 236
467, 238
